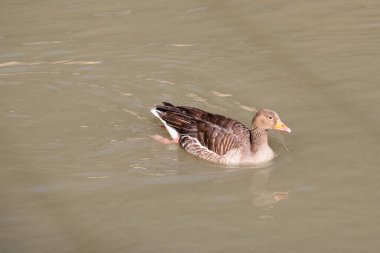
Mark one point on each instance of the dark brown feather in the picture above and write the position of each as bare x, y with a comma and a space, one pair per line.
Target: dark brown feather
217, 133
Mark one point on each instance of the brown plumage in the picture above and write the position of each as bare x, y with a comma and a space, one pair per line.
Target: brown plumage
217, 138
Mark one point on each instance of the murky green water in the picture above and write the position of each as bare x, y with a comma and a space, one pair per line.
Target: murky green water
79, 172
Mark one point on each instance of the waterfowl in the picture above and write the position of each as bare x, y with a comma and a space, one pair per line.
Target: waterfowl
217, 138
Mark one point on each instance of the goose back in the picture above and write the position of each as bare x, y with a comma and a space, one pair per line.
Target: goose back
206, 135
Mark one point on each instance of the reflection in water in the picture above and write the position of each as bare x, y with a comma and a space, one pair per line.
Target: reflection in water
263, 197
67, 62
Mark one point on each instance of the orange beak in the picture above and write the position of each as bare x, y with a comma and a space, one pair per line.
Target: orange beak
282, 127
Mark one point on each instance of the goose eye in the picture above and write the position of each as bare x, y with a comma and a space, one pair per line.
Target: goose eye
270, 117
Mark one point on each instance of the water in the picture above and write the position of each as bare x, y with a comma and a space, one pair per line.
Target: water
79, 172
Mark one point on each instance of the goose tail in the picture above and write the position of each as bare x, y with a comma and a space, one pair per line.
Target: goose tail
155, 110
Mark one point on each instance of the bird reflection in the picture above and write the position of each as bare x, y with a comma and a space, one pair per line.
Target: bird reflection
263, 197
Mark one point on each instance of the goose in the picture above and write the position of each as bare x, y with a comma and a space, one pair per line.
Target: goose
216, 138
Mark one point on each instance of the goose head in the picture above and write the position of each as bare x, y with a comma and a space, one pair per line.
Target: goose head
267, 119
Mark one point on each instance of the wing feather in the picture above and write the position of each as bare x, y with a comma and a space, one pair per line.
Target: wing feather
202, 132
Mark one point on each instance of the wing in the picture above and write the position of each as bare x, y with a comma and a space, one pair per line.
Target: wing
200, 130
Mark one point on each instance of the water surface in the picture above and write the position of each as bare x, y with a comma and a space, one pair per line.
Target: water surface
79, 172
